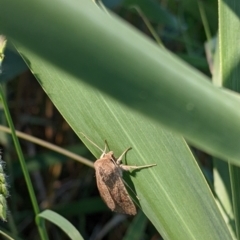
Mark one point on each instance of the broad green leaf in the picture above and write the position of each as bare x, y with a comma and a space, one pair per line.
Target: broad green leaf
111, 83
174, 193
113, 57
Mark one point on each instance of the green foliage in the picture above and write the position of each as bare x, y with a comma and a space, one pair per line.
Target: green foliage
62, 223
113, 83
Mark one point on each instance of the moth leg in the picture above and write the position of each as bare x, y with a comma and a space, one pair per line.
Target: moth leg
129, 168
119, 160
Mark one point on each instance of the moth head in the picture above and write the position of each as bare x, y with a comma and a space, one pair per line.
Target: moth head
107, 155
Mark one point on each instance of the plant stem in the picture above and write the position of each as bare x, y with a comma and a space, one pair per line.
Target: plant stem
41, 227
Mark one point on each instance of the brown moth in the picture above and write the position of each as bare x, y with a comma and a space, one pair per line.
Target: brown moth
110, 183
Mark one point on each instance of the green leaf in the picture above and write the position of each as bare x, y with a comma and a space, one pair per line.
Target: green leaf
173, 192
110, 82
62, 223
137, 227
129, 67
229, 12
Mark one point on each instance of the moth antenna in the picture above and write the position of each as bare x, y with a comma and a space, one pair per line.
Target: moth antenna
93, 143
106, 145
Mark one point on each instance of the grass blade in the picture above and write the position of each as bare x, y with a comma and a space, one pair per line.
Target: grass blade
62, 223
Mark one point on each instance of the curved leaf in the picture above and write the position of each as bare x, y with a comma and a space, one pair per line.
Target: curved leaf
111, 83
115, 58
62, 223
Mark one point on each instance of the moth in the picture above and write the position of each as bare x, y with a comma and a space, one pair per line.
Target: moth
110, 183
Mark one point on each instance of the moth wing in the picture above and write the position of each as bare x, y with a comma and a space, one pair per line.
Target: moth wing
124, 203
112, 188
103, 189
